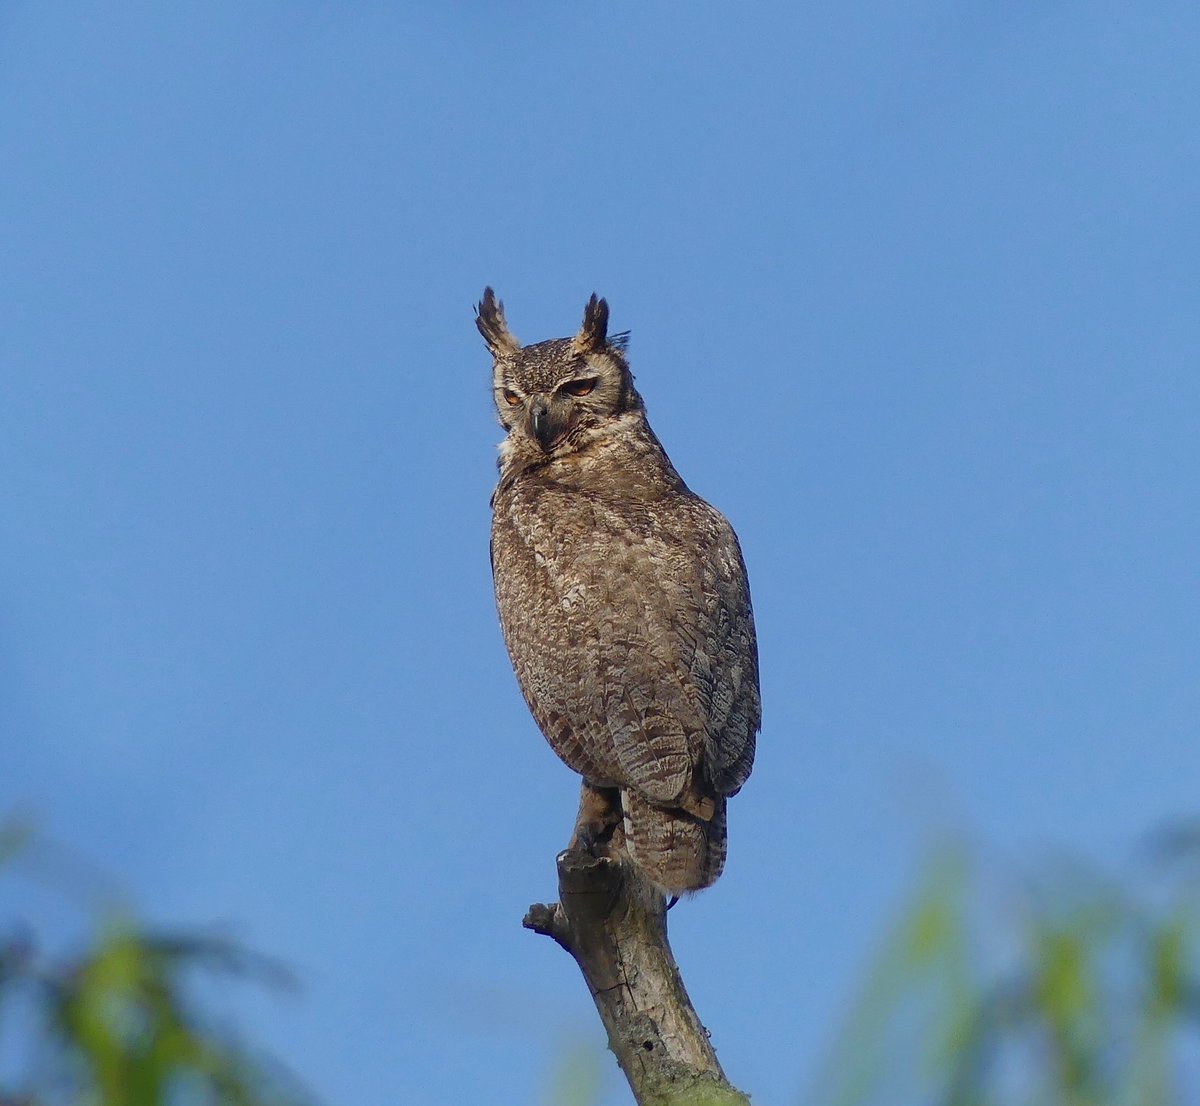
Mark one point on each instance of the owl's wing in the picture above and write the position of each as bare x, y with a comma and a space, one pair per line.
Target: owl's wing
676, 650
715, 631
643, 712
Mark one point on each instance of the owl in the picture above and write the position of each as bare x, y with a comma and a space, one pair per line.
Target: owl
623, 601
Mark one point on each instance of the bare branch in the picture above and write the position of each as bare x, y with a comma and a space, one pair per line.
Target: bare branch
614, 924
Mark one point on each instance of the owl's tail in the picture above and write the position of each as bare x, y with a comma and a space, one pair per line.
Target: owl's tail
677, 851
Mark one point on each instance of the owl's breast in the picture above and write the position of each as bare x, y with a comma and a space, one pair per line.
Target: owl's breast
545, 547
553, 556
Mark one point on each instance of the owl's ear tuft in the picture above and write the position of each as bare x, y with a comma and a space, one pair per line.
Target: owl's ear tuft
489, 318
594, 331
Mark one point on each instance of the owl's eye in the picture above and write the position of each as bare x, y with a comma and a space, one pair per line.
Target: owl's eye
511, 397
580, 388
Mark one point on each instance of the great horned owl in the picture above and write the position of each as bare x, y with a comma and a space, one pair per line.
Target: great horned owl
623, 601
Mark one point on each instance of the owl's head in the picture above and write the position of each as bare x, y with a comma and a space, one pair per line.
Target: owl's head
552, 397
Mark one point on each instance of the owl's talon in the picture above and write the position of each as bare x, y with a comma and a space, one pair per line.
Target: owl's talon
587, 839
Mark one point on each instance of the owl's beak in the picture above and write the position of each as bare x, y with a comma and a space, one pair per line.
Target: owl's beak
543, 428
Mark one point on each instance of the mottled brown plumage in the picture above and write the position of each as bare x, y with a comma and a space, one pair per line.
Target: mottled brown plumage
623, 601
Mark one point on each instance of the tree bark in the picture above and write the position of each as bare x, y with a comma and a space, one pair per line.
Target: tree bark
614, 924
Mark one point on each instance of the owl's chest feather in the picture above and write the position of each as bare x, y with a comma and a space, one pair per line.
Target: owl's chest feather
560, 549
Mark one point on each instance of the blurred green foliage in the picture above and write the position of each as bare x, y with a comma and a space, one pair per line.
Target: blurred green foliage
1064, 989
116, 1025
577, 1077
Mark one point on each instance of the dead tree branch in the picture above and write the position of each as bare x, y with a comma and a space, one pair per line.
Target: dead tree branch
614, 925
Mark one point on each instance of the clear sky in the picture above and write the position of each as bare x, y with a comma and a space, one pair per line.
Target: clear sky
915, 300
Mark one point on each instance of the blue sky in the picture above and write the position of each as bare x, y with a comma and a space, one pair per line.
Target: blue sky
914, 299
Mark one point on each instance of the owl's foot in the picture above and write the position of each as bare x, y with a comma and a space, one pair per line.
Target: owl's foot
593, 839
598, 824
